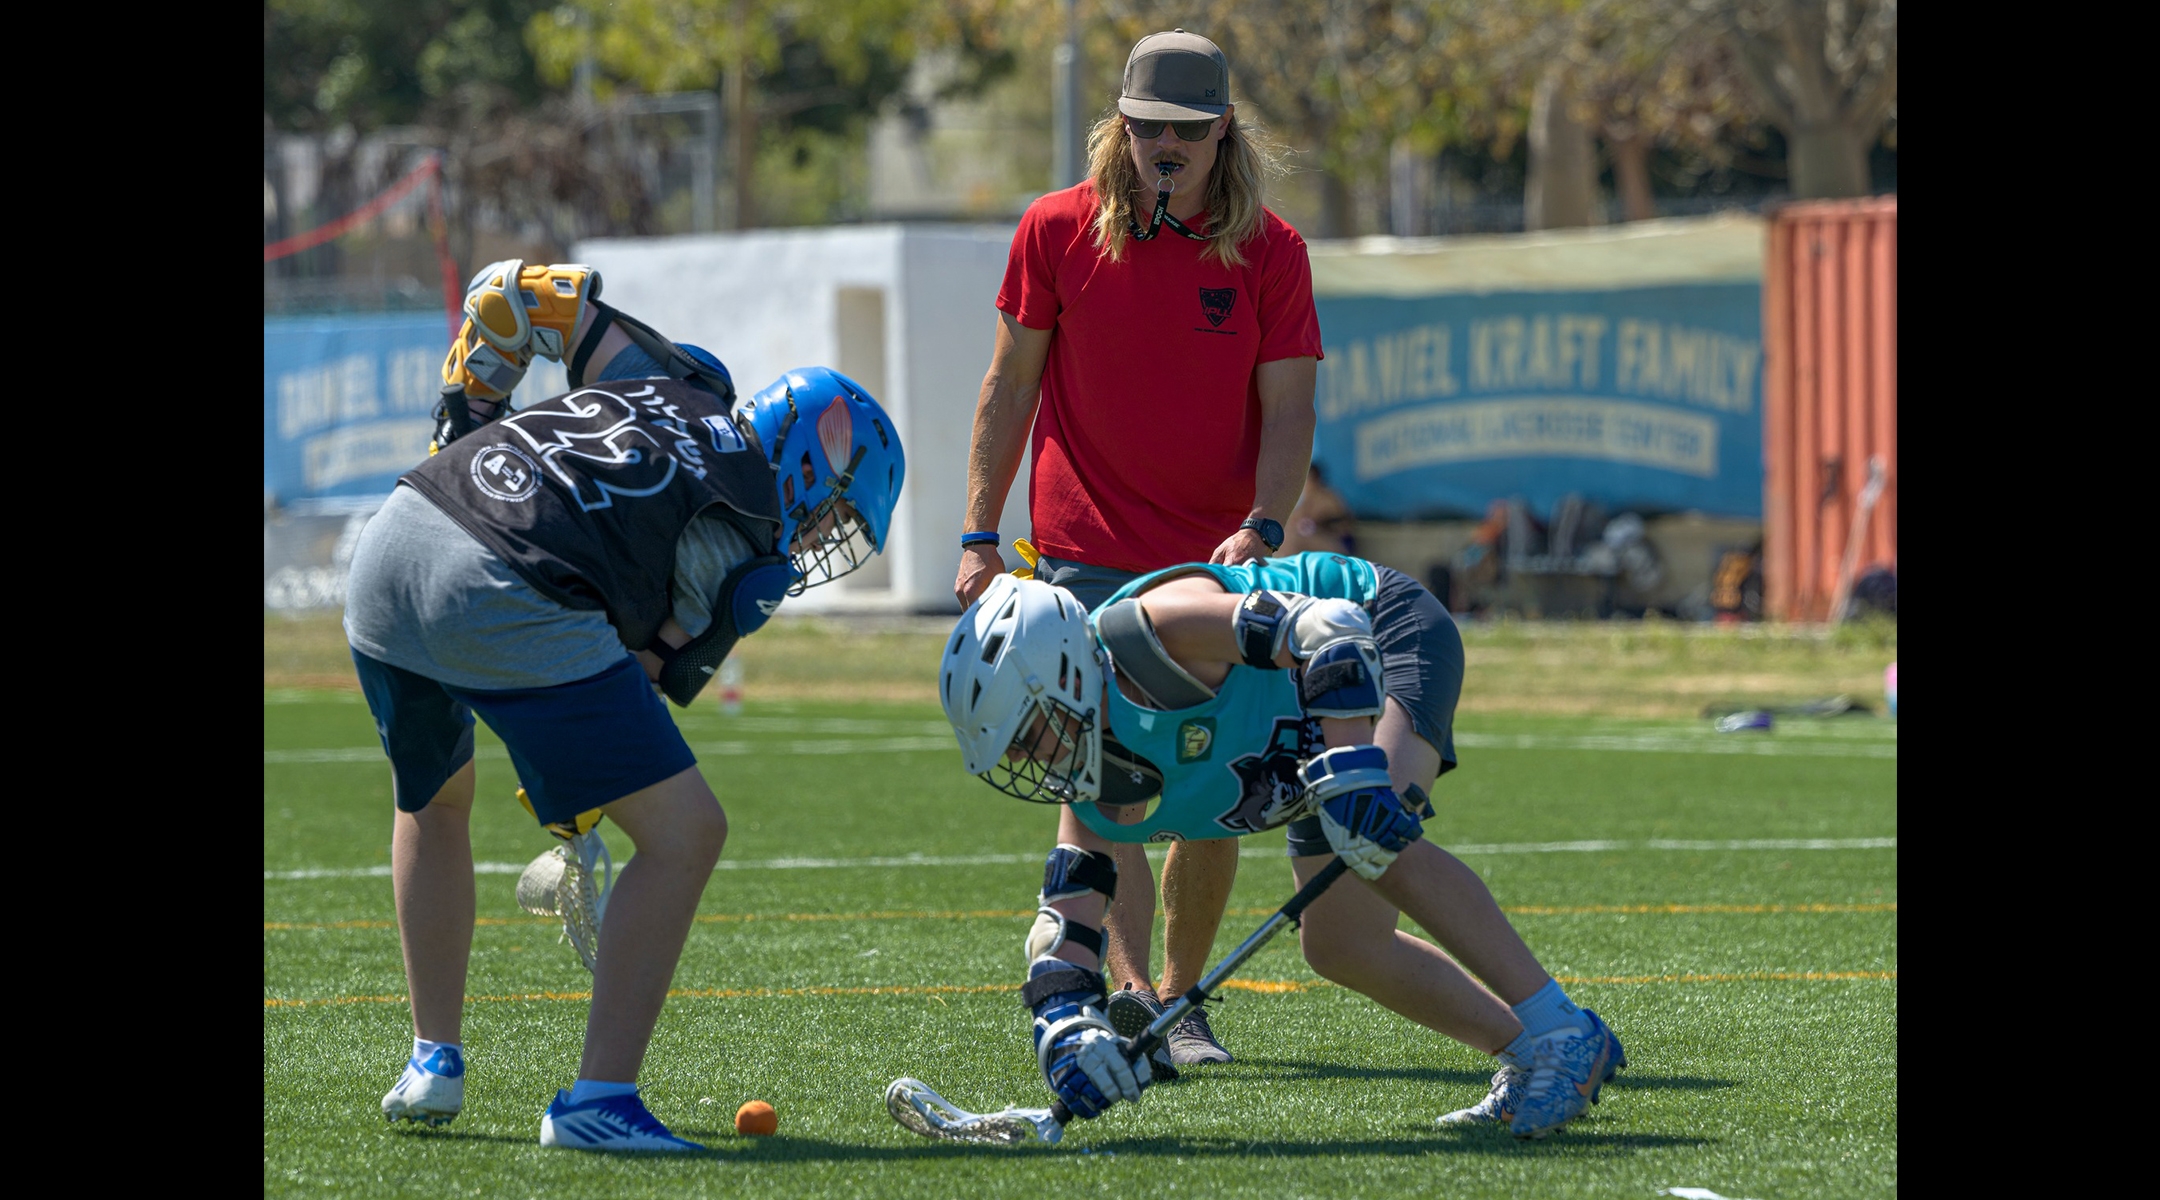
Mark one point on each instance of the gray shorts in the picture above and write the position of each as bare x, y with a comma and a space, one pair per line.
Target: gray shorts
1090, 585
1421, 664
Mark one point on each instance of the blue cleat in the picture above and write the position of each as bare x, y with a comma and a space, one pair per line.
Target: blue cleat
1568, 1068
617, 1124
431, 1092
1499, 1105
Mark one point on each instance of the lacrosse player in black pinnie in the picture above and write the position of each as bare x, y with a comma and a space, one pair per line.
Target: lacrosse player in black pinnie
556, 570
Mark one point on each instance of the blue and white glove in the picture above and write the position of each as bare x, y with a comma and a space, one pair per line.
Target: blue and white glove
1365, 822
1081, 1056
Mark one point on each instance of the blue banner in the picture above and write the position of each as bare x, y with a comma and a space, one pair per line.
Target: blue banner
348, 401
1638, 398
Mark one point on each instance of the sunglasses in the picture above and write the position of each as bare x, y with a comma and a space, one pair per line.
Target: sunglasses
1187, 131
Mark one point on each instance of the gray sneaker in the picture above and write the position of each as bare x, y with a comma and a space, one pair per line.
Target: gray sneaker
1192, 1042
1131, 1010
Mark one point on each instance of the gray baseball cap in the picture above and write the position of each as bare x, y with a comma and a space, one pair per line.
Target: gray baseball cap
1175, 76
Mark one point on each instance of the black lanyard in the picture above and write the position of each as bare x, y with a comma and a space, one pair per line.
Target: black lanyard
1162, 212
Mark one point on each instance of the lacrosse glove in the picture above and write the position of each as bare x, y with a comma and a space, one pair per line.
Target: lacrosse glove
1082, 1058
1364, 820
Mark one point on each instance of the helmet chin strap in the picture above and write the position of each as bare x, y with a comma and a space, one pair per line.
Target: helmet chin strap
1163, 187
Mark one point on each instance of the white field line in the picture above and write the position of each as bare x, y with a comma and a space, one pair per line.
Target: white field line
987, 860
819, 746
1737, 744
1650, 743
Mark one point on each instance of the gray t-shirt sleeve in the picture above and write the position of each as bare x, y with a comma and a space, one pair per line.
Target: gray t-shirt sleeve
710, 547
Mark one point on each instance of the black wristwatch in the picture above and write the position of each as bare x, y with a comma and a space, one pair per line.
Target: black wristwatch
1269, 531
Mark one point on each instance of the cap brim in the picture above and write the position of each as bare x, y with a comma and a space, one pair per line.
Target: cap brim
1164, 110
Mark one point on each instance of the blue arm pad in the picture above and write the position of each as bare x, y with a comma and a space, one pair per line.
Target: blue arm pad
1363, 818
1342, 679
1071, 871
1063, 999
1331, 773
1258, 626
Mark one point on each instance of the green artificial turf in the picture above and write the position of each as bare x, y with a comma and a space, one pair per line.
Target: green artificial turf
1755, 988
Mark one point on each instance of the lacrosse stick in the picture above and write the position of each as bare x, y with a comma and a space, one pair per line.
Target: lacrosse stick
917, 1107
1877, 478
572, 882
912, 1103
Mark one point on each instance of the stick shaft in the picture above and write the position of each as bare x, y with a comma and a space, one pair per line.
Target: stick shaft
1854, 536
1200, 993
1288, 914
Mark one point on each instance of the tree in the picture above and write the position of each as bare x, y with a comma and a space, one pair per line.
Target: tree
1655, 73
788, 66
457, 75
1825, 71
1691, 76
1562, 188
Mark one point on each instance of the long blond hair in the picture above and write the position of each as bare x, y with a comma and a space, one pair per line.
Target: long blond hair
1244, 161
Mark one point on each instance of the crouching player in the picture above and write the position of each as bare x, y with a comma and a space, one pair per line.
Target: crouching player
555, 570
1316, 690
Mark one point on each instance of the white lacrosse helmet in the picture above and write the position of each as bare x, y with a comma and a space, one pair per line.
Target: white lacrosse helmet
1023, 690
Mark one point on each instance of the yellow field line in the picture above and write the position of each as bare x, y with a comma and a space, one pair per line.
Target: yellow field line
680, 994
1534, 910
1537, 910
1740, 977
1267, 986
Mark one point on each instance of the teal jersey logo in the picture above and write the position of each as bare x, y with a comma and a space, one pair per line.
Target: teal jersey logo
1195, 738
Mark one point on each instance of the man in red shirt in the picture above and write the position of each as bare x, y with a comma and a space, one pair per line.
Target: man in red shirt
1169, 380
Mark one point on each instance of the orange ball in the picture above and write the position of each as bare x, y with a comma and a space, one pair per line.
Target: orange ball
756, 1119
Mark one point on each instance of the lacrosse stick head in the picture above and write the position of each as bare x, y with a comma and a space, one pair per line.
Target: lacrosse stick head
917, 1107
543, 877
562, 883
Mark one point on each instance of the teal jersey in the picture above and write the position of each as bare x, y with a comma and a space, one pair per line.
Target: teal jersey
1230, 765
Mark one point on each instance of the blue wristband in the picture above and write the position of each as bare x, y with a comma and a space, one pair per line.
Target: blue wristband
978, 539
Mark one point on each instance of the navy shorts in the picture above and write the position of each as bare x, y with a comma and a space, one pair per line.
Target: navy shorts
1421, 667
576, 746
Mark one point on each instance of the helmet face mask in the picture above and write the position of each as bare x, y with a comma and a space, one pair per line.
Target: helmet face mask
838, 465
1022, 687
1047, 759
829, 543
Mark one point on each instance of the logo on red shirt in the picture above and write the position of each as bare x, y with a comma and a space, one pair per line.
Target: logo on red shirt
1216, 303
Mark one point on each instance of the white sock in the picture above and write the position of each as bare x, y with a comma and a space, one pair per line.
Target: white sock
423, 1050
585, 1090
1548, 1009
1516, 1053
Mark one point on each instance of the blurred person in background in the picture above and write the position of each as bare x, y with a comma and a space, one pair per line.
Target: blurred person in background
1169, 383
1321, 521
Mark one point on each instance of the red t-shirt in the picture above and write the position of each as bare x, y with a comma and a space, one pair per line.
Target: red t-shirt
1149, 428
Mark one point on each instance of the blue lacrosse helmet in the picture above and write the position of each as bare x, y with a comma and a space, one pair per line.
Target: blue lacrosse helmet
839, 467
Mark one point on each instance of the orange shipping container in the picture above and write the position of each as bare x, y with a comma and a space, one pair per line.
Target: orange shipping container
1829, 401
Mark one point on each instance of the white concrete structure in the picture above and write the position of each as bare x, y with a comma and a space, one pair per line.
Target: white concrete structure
905, 310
